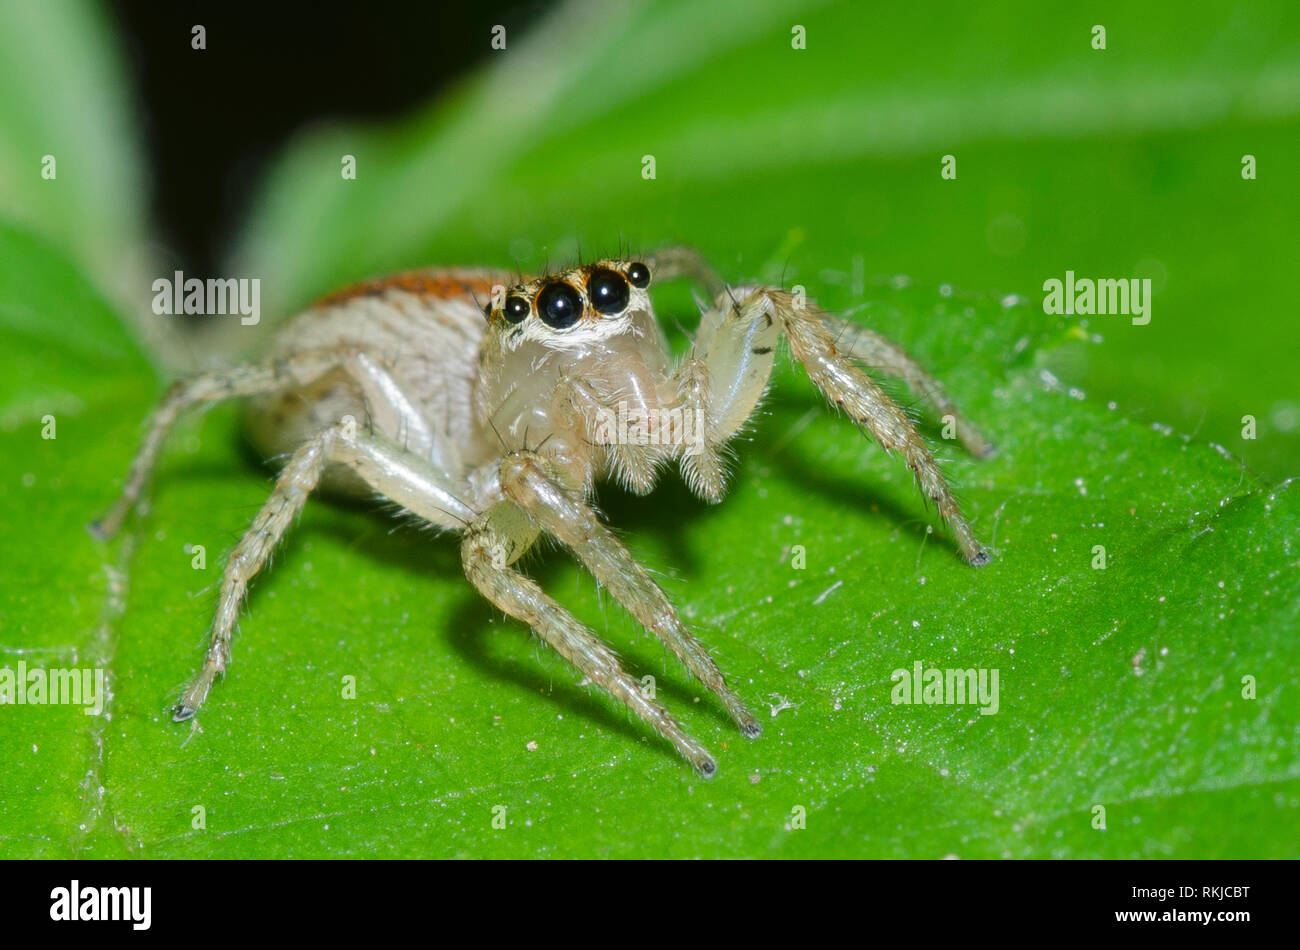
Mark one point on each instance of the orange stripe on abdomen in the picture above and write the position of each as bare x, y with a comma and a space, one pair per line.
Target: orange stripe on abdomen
441, 285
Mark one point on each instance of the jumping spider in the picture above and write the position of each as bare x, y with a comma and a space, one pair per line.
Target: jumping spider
483, 421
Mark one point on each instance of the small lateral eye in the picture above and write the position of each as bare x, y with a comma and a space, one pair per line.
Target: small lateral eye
516, 309
639, 275
559, 305
608, 292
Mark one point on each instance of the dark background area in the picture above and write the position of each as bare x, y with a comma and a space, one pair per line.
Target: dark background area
214, 118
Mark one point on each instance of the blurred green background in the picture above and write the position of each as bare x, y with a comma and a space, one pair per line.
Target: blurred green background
818, 166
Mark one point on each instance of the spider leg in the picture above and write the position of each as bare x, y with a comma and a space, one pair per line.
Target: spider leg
398, 475
565, 516
393, 409
680, 260
843, 384
578, 407
880, 353
701, 462
720, 381
296, 369
744, 326
489, 547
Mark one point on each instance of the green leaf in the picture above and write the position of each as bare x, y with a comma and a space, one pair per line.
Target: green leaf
1124, 687
1120, 687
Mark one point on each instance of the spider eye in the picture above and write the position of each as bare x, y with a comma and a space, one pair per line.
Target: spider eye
639, 275
559, 305
516, 309
608, 292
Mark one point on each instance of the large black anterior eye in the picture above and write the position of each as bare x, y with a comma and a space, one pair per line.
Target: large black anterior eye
639, 274
516, 309
559, 305
608, 291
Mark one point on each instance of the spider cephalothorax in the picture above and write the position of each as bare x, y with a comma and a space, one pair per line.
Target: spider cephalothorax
498, 429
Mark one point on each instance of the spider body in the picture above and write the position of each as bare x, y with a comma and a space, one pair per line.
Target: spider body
423, 329
495, 422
